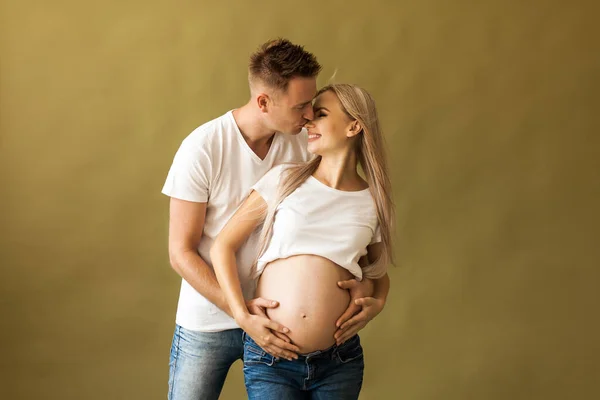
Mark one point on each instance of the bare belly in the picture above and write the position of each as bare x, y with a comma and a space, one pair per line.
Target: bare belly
309, 299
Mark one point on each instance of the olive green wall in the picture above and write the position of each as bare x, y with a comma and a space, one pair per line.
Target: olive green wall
489, 108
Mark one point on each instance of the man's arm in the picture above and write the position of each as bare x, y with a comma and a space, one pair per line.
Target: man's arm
186, 224
382, 288
367, 299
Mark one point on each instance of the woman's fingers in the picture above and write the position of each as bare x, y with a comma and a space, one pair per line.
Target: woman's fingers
275, 327
255, 310
282, 336
280, 348
273, 337
258, 305
277, 343
279, 353
260, 302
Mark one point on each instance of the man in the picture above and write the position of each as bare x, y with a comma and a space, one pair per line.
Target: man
211, 174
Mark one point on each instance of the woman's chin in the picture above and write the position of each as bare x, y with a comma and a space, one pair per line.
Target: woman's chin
313, 149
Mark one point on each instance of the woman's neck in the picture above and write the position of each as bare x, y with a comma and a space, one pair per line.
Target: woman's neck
339, 172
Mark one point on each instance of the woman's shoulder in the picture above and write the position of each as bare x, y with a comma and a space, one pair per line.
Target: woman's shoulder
282, 169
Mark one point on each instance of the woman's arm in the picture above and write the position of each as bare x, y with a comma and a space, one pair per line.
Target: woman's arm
222, 253
237, 230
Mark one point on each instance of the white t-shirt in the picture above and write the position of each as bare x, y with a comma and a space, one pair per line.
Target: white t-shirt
215, 165
320, 220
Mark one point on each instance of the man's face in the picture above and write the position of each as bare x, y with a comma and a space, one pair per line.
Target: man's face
293, 108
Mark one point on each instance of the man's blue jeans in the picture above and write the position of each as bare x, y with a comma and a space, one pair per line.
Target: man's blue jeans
200, 361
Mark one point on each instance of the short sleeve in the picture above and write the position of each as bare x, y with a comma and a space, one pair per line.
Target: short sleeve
268, 184
379, 267
376, 235
191, 172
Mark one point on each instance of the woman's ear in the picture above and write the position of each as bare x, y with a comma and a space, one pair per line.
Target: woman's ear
354, 129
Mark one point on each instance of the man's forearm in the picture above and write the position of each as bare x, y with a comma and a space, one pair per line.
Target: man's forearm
191, 267
382, 287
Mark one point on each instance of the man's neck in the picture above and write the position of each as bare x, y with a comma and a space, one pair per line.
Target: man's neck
257, 137
250, 124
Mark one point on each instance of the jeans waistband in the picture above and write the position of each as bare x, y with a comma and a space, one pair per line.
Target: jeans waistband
329, 352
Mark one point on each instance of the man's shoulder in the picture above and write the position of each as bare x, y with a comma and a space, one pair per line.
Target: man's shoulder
209, 137
210, 130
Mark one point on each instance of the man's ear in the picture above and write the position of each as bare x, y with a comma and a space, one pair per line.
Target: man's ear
263, 101
354, 129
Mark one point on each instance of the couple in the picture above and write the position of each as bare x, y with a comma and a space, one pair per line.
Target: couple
323, 229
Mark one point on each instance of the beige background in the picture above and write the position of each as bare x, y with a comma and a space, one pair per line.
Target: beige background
490, 112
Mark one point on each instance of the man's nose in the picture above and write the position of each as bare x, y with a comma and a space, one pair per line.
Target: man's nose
309, 113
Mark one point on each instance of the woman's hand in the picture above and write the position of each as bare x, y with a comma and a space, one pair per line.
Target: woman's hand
370, 308
266, 334
258, 306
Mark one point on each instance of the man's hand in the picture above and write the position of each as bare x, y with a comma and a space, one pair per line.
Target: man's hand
370, 307
266, 334
358, 290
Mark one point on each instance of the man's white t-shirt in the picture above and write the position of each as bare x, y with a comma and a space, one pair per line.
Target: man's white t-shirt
215, 165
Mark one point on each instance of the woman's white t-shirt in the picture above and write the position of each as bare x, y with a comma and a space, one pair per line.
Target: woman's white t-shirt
320, 220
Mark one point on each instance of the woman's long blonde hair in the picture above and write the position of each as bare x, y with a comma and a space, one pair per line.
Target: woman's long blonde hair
358, 104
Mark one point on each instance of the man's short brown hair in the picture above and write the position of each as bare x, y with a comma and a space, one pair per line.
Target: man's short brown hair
278, 61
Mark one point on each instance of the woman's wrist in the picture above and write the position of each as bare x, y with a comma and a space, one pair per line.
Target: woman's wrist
223, 304
241, 316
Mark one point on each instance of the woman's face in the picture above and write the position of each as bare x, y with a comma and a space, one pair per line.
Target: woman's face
331, 129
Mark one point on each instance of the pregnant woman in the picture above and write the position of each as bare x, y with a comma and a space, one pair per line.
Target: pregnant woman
322, 223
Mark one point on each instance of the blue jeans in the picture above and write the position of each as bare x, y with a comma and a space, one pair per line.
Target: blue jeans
332, 374
200, 361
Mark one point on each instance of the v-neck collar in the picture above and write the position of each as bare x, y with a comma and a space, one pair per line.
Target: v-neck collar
251, 153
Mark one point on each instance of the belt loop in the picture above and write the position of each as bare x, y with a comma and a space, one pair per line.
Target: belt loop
334, 351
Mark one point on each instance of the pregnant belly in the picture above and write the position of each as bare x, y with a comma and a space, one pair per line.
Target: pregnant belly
309, 299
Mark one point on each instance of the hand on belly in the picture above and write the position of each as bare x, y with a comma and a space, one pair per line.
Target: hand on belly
309, 299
